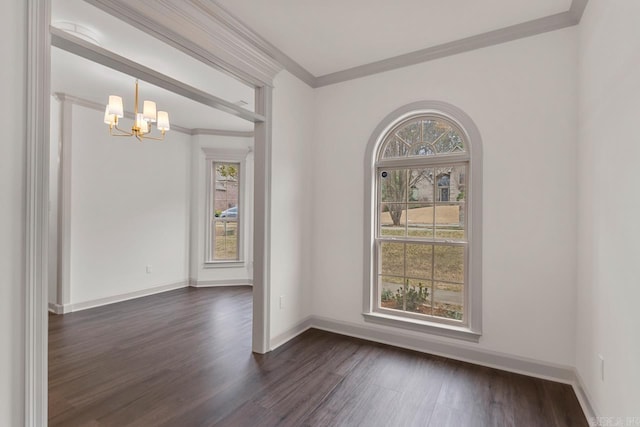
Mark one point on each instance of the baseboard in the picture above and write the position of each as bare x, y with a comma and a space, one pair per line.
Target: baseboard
58, 308
502, 361
219, 282
127, 296
584, 398
290, 334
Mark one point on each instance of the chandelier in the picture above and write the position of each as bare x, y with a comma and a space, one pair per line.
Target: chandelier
142, 122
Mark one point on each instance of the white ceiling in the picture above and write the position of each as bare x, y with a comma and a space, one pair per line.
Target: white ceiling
322, 36
333, 35
76, 76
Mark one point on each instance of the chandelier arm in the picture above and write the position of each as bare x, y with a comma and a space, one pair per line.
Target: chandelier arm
153, 138
135, 105
122, 132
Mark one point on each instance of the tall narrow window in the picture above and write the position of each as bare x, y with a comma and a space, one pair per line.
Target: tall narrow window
421, 247
224, 212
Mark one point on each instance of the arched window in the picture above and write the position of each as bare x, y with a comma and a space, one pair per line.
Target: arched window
424, 204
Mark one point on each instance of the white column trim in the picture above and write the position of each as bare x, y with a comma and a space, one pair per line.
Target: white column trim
262, 223
37, 213
64, 202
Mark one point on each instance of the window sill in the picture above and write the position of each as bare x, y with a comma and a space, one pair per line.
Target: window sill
457, 332
224, 264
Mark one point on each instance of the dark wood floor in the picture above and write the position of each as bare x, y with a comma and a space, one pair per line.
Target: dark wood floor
183, 358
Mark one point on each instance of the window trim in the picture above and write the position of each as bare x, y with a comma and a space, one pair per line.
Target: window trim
215, 155
473, 330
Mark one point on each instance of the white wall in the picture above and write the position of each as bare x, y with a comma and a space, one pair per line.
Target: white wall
129, 209
609, 208
220, 275
12, 210
291, 202
522, 96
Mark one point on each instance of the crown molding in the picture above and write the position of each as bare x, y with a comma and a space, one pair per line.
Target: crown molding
491, 38
200, 28
526, 29
219, 132
245, 31
577, 10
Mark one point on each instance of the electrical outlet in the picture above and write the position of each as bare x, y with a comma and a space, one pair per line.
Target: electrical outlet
149, 269
281, 302
601, 358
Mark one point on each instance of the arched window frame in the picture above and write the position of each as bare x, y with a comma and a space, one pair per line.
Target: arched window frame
471, 329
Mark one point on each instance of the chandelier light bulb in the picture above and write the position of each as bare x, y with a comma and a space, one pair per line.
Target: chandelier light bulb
109, 119
115, 106
163, 121
149, 111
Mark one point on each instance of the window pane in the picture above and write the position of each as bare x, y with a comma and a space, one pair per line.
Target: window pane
391, 291
450, 142
226, 239
420, 220
420, 215
417, 296
395, 148
419, 260
392, 219
447, 215
430, 136
448, 263
393, 185
410, 133
459, 183
410, 295
450, 221
224, 226
420, 186
450, 207
392, 258
448, 300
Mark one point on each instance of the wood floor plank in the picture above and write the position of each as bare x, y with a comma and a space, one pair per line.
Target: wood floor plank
444, 416
183, 358
251, 414
305, 387
563, 405
357, 403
